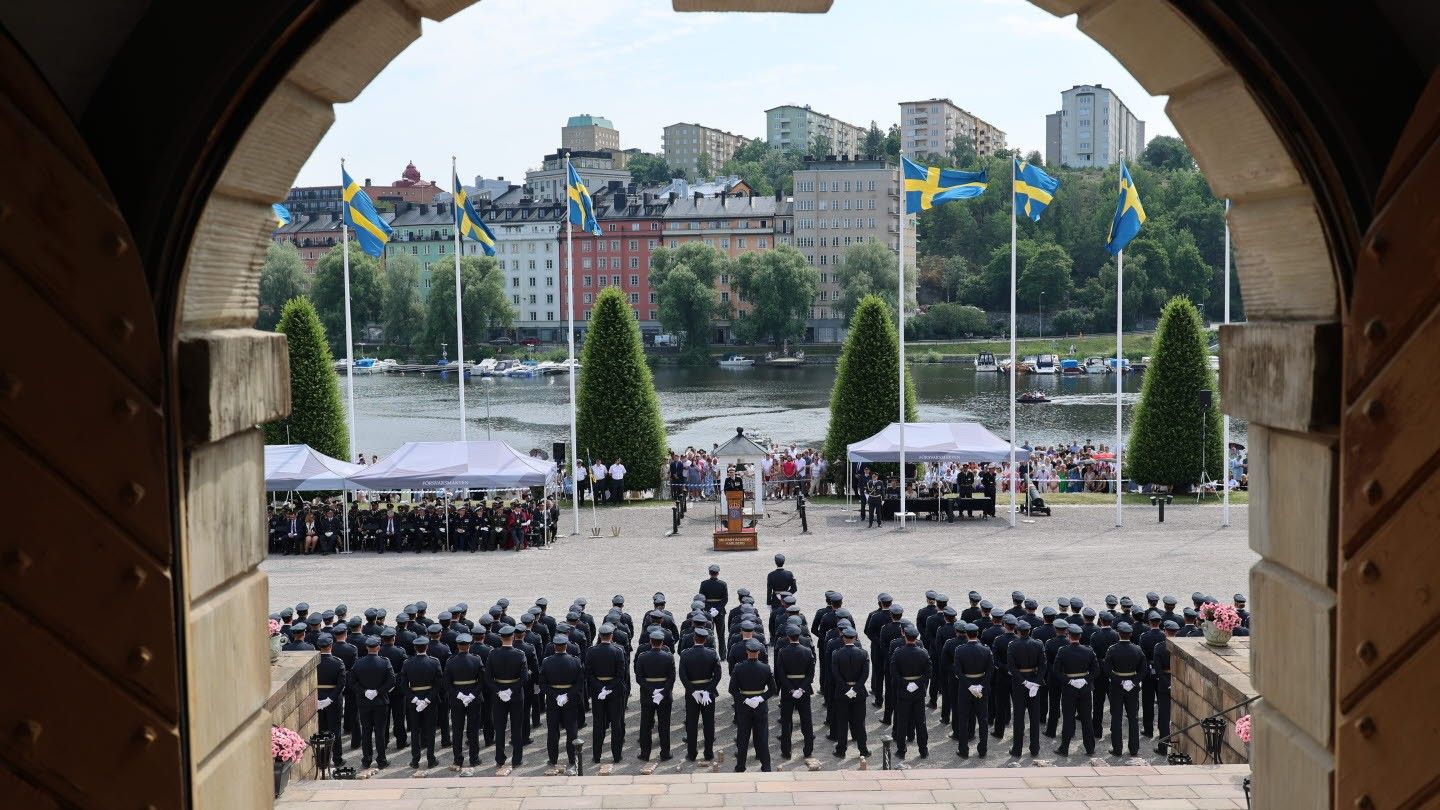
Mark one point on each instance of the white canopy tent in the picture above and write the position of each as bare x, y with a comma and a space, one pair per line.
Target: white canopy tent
301, 468
932, 441
453, 465
742, 449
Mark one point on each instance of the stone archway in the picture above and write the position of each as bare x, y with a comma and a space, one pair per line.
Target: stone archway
1278, 372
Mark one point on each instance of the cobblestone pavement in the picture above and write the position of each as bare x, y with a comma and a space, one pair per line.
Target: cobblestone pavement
1077, 552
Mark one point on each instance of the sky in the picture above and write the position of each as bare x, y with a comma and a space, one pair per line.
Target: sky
494, 84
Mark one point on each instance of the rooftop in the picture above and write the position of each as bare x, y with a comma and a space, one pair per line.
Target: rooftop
588, 120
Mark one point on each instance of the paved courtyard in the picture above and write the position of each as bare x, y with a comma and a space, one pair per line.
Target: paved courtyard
1078, 552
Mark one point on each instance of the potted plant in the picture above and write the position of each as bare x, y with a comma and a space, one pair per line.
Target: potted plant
286, 748
275, 641
1218, 622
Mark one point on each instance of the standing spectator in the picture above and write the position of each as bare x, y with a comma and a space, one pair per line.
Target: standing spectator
617, 479
598, 485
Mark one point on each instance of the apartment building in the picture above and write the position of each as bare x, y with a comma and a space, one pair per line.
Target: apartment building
589, 133
685, 144
1093, 127
631, 224
734, 224
526, 252
933, 124
596, 168
791, 126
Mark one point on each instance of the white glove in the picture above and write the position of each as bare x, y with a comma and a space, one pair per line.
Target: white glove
714, 612
706, 700
1034, 688
754, 701
911, 687
1127, 685
700, 695
415, 701
504, 695
323, 704
465, 700
603, 693
797, 693
850, 693
1078, 683
977, 690
562, 699
423, 705
536, 689
371, 694
657, 696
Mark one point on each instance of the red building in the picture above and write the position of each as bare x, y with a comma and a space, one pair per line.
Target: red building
631, 225
409, 188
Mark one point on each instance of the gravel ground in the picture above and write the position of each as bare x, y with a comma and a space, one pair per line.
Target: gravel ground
1077, 552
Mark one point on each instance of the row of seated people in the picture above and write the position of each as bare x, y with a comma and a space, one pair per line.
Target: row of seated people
481, 525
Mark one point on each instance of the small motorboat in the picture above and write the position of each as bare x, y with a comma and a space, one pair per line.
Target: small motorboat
1124, 365
1032, 397
736, 361
486, 367
985, 361
1070, 366
1046, 364
1028, 363
796, 359
1094, 365
1214, 362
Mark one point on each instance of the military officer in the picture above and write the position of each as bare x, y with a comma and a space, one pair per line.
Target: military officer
372, 680
608, 681
1160, 664
941, 674
752, 684
738, 645
463, 690
507, 678
891, 632
700, 678
349, 654
1148, 640
1169, 614
971, 615
420, 676
909, 681
778, 581
562, 682
717, 597
1053, 682
848, 667
1100, 642
655, 678
1000, 684
874, 623
795, 678
1077, 668
331, 683
297, 642
974, 663
391, 651
1240, 608
1123, 667
1025, 663
1191, 626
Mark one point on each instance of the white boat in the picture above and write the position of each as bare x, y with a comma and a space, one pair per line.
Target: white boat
1094, 365
486, 367
548, 367
985, 361
736, 361
340, 365
522, 370
1028, 363
1214, 360
797, 359
1046, 364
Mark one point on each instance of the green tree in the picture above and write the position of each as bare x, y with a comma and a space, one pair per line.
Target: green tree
865, 398
820, 145
1167, 152
780, 287
1045, 272
482, 293
1072, 321
684, 278
649, 170
703, 168
962, 152
947, 321
1189, 274
874, 141
316, 417
617, 412
402, 316
1166, 444
328, 293
956, 271
892, 142
867, 269
282, 277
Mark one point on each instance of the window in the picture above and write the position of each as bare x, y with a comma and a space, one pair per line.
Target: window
515, 282
761, 242
634, 279
585, 264
587, 315
650, 244
549, 264
834, 259
589, 298
870, 186
533, 301
824, 185
602, 281
515, 298
725, 297
847, 185
634, 298
634, 244
532, 264
550, 299
550, 315
615, 265
587, 282
532, 281
442, 250
615, 280
654, 299
725, 242
634, 226
823, 261
534, 316
871, 205
740, 242
654, 226
585, 246
615, 244
600, 247
654, 316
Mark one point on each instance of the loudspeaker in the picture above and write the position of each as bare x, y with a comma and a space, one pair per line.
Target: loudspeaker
1204, 399
557, 452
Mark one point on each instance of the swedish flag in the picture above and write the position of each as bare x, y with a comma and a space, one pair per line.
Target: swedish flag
282, 214
468, 223
1129, 214
1033, 190
927, 186
360, 214
582, 208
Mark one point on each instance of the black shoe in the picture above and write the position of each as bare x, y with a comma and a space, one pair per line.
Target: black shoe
415, 765
785, 754
432, 763
879, 703
1015, 752
962, 753
838, 754
924, 753
864, 752
364, 765
739, 769
1114, 752
666, 757
1062, 752
382, 763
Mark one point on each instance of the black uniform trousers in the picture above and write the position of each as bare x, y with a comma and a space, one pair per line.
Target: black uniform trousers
609, 715
558, 717
442, 721
1126, 704
1147, 705
330, 718
1075, 705
971, 715
699, 719
352, 721
536, 702
752, 727
910, 721
1102, 693
877, 678
422, 731
1000, 702
1052, 703
848, 718
650, 713
1162, 703
398, 717
509, 715
1021, 705
374, 732
465, 730
789, 706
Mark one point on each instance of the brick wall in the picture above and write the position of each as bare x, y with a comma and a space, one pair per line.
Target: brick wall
1204, 680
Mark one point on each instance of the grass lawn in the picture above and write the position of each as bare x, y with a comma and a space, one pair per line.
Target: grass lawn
1136, 346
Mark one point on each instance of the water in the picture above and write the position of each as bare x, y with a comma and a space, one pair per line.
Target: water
703, 406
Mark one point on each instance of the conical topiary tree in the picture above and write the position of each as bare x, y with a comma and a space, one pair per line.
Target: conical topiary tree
618, 414
316, 417
866, 396
1166, 441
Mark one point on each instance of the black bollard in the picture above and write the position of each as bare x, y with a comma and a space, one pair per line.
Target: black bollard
800, 507
579, 757
885, 742
674, 520
1160, 501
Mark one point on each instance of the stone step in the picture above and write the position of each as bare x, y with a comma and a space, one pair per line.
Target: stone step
1068, 788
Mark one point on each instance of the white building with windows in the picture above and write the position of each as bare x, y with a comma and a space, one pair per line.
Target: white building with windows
933, 124
1093, 127
525, 248
790, 126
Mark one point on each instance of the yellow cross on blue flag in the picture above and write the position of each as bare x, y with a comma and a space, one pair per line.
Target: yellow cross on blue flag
1033, 190
371, 231
582, 209
282, 214
468, 222
1129, 214
928, 186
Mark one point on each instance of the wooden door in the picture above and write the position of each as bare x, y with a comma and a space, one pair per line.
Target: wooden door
92, 711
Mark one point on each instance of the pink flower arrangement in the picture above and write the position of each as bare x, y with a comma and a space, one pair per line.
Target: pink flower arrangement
1242, 729
1224, 617
285, 745
274, 627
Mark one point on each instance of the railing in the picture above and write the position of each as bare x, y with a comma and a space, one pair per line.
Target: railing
1214, 728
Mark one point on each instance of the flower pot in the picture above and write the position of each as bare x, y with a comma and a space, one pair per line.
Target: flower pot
1214, 636
276, 642
282, 776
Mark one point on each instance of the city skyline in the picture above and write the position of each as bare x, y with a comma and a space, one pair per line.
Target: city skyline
617, 59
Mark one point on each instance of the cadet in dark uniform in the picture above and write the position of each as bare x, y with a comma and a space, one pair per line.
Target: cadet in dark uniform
1000, 684
1025, 662
971, 615
700, 678
655, 679
297, 642
848, 667
941, 673
874, 624
466, 696
1123, 666
1160, 664
778, 581
1053, 682
795, 678
717, 597
507, 676
751, 685
397, 657
373, 678
889, 634
349, 654
1148, 640
1076, 667
909, 681
1100, 642
974, 662
608, 682
420, 676
562, 681
330, 679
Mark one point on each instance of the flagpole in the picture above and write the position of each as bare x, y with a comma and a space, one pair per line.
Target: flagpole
1225, 470
1013, 364
1119, 378
900, 308
349, 343
459, 317
570, 333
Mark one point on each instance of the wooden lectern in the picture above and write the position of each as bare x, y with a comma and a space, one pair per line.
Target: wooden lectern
734, 536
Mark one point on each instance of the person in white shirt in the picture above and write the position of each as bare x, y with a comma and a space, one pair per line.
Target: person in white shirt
617, 478
581, 476
597, 481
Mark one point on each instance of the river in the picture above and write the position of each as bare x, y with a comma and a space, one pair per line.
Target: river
702, 406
